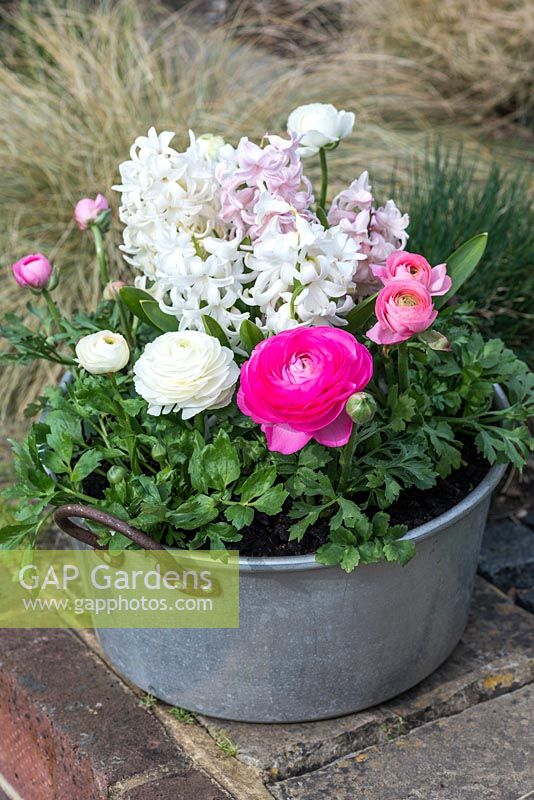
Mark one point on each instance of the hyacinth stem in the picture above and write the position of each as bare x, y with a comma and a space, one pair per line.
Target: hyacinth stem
347, 454
100, 255
324, 178
52, 308
404, 378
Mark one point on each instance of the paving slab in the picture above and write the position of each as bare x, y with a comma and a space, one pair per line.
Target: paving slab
507, 555
495, 656
484, 753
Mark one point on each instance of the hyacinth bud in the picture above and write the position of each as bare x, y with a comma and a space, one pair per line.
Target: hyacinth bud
112, 289
361, 407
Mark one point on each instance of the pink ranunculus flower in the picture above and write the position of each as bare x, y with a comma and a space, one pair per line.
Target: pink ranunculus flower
87, 210
403, 308
296, 385
412, 266
34, 271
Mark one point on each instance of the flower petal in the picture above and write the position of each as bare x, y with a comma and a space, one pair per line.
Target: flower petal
285, 439
337, 433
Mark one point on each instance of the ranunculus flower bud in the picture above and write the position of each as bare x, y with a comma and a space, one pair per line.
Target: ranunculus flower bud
87, 210
296, 385
403, 308
319, 125
361, 407
186, 370
412, 266
112, 289
102, 352
33, 271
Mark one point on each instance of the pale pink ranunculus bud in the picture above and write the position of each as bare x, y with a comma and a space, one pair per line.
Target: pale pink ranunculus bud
403, 308
34, 271
412, 266
87, 210
112, 289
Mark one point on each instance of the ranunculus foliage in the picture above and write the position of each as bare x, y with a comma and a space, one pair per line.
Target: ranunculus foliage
188, 371
296, 385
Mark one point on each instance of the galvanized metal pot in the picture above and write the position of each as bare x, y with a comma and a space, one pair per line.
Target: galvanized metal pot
313, 641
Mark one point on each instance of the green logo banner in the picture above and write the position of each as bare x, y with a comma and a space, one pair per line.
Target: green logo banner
119, 589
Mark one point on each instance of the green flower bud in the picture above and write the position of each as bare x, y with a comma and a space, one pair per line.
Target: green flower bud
361, 407
158, 452
116, 475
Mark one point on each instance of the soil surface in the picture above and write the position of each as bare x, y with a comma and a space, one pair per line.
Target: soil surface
268, 536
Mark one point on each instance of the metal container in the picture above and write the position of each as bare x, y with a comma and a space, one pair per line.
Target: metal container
315, 642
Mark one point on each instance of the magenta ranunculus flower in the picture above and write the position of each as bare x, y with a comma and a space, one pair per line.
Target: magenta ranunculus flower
33, 271
296, 385
87, 210
403, 308
412, 266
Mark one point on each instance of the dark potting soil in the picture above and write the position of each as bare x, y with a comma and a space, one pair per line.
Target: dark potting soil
269, 535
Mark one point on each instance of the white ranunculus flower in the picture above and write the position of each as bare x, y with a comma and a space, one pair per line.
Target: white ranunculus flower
186, 370
319, 125
102, 352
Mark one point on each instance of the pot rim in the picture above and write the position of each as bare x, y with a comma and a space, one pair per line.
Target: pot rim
434, 526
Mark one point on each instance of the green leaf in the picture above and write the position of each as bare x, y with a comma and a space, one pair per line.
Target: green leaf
350, 558
462, 263
13, 536
239, 516
272, 501
216, 465
219, 533
330, 554
298, 529
353, 516
314, 456
158, 318
250, 335
132, 297
195, 512
400, 550
86, 464
371, 552
214, 329
358, 316
257, 483
380, 523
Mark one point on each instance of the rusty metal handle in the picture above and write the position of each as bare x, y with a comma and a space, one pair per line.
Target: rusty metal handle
62, 517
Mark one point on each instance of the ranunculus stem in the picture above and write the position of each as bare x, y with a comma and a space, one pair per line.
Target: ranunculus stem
347, 454
100, 255
324, 178
404, 378
52, 308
